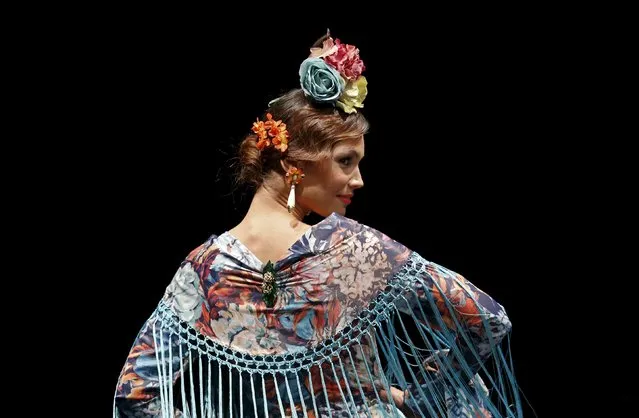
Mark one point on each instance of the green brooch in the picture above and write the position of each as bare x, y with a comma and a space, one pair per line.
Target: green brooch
269, 288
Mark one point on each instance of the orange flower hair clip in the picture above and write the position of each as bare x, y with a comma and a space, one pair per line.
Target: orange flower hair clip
271, 132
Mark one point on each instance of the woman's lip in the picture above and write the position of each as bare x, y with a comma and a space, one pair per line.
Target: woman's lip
345, 199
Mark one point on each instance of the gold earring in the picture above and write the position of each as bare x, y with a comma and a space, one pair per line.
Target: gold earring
294, 176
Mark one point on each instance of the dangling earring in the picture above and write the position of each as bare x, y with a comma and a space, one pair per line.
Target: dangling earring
294, 176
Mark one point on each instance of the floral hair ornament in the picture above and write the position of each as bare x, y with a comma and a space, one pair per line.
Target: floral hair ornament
333, 74
294, 176
271, 132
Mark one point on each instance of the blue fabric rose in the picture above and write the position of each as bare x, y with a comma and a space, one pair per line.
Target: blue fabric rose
320, 81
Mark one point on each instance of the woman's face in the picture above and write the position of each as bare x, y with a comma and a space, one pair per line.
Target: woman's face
329, 184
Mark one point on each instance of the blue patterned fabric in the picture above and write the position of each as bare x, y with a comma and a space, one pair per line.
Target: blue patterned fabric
362, 326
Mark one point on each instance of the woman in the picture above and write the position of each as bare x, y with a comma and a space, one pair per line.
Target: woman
276, 317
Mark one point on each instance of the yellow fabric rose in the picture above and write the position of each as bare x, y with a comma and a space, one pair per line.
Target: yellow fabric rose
354, 94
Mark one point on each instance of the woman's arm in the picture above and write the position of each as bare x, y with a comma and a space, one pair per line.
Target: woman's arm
153, 358
157, 358
465, 317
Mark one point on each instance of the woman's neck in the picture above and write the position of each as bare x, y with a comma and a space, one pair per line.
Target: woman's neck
268, 212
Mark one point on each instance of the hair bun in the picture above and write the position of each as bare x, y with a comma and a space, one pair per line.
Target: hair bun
250, 162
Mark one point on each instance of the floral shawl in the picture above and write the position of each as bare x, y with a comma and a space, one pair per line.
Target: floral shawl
357, 316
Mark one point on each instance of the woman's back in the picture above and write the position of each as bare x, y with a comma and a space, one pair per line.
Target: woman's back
323, 280
329, 342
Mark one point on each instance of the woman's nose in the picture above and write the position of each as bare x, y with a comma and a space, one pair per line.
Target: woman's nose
356, 181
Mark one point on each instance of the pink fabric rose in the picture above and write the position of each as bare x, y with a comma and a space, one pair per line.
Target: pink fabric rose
346, 60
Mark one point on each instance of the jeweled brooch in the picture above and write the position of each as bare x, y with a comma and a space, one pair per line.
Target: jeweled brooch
269, 287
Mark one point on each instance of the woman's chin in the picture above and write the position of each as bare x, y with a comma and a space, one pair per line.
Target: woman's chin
328, 212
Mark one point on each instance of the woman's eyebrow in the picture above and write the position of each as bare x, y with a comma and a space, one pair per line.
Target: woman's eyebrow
350, 152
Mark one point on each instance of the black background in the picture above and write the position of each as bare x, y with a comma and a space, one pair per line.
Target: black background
478, 158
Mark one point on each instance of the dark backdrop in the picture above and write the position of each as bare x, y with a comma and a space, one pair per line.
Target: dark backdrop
466, 161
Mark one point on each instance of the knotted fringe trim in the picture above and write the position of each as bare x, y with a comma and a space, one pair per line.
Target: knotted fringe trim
410, 347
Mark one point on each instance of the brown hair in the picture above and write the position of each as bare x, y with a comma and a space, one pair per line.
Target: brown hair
313, 131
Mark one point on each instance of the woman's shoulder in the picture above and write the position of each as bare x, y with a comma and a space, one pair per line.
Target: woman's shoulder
355, 226
368, 235
206, 252
390, 245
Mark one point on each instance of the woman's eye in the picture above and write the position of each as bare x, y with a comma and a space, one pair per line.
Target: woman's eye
345, 160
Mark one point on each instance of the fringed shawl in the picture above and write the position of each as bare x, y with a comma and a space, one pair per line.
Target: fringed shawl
361, 327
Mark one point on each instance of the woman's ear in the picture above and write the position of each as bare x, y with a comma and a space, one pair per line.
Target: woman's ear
287, 165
